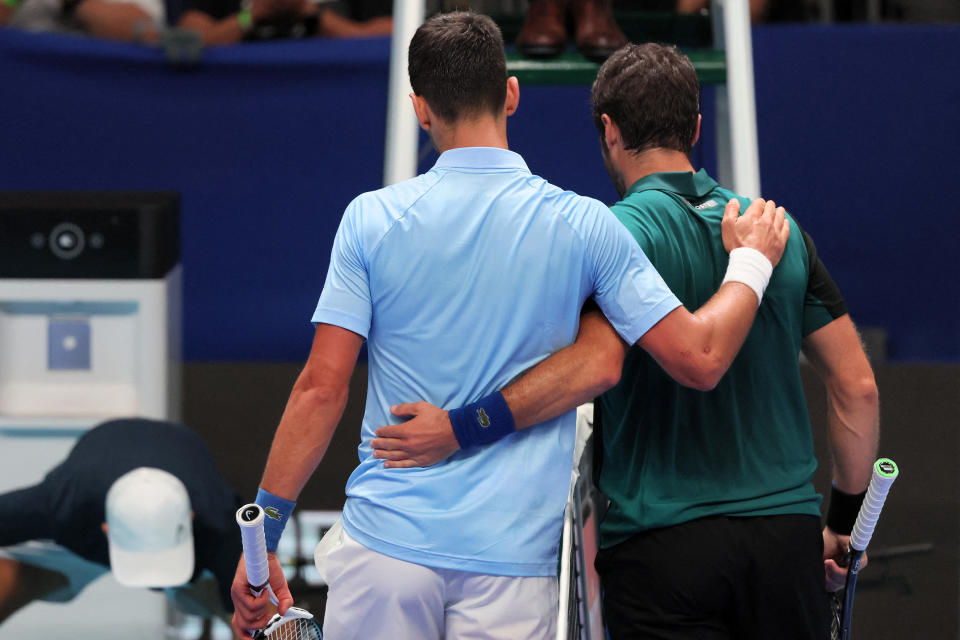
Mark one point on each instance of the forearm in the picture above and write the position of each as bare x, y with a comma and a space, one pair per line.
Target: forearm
214, 32
570, 377
116, 21
853, 420
558, 384
333, 25
696, 349
725, 322
306, 428
853, 406
6, 13
711, 338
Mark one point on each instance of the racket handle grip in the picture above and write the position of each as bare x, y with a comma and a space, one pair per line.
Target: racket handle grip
885, 471
250, 520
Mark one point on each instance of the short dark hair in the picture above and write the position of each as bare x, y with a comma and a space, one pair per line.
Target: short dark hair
457, 63
652, 93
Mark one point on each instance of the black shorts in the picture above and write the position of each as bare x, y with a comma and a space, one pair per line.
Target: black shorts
733, 578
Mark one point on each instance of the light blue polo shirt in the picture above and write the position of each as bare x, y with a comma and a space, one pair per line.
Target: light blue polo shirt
461, 279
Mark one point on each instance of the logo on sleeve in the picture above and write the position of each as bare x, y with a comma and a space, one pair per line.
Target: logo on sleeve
483, 418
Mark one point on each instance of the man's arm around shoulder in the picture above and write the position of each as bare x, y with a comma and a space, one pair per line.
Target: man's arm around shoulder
695, 348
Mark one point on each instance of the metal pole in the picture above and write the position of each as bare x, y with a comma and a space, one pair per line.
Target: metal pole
735, 16
403, 133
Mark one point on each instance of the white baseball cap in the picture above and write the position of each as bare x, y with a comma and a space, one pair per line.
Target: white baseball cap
149, 529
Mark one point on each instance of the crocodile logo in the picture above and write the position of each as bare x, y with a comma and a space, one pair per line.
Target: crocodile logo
483, 418
271, 512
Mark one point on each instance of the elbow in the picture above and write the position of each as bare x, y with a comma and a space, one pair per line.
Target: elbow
703, 380
702, 374
860, 391
856, 401
609, 375
853, 388
607, 367
871, 392
696, 379
320, 393
706, 384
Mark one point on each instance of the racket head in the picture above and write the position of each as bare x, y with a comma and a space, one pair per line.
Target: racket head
295, 624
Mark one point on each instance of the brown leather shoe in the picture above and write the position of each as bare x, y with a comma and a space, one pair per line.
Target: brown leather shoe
596, 32
544, 32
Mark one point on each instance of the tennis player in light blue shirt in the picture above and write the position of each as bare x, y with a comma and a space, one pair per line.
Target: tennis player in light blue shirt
459, 280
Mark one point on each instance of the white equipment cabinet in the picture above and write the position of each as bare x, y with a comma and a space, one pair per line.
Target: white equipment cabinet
90, 325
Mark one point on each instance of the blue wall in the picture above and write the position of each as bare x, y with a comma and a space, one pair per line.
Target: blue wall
268, 143
859, 135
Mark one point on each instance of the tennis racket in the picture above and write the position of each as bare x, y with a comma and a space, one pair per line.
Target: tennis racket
296, 623
841, 602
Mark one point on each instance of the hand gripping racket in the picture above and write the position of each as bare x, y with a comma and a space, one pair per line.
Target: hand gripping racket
884, 473
297, 623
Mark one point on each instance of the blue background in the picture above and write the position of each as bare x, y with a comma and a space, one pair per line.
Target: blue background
267, 143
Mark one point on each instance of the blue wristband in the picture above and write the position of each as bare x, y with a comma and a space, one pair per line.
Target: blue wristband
485, 421
276, 512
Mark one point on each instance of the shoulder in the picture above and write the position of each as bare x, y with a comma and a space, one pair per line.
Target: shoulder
370, 215
646, 214
569, 204
643, 204
392, 201
582, 214
551, 195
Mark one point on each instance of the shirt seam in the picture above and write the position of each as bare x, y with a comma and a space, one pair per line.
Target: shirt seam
399, 217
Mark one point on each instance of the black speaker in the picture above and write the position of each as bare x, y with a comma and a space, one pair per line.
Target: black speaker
86, 234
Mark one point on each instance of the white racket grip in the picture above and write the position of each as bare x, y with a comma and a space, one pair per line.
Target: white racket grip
885, 471
250, 519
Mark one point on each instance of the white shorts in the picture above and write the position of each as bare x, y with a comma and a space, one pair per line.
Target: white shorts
373, 597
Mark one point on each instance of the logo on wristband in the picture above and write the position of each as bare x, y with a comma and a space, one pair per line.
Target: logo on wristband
271, 512
483, 418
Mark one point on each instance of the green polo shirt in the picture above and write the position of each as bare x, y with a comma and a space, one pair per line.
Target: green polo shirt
670, 454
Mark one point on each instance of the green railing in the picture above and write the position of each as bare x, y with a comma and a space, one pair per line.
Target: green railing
571, 68
690, 32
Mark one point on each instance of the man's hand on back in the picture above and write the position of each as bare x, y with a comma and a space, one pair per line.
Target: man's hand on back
425, 439
763, 226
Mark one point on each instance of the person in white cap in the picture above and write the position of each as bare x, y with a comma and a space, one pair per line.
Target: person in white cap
139, 498
149, 529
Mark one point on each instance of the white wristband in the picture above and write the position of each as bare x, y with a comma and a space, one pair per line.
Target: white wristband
750, 267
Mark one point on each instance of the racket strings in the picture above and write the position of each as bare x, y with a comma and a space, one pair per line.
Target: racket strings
836, 611
300, 629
